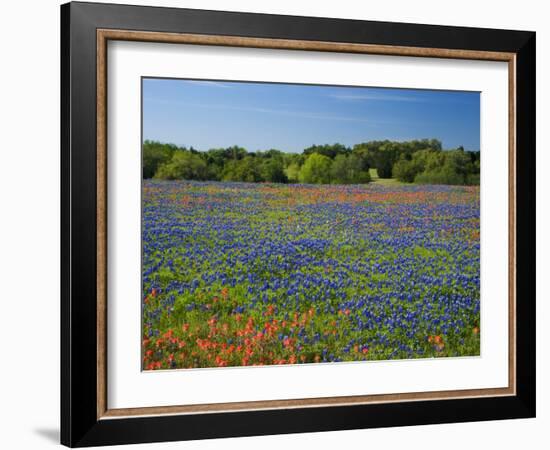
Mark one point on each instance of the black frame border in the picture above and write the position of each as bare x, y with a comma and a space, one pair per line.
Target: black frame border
79, 424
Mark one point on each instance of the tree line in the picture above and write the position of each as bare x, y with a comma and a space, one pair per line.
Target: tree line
419, 161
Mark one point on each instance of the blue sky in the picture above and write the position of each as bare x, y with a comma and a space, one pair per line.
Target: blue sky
291, 117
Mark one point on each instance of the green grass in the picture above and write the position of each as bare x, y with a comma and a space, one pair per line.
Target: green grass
384, 181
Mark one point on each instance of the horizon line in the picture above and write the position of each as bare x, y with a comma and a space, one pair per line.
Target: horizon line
188, 147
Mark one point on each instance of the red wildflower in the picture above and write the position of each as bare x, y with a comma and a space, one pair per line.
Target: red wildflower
168, 334
220, 362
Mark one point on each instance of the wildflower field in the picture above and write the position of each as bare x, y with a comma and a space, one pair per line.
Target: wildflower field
238, 274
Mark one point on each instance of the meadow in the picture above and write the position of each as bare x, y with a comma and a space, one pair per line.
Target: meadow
239, 274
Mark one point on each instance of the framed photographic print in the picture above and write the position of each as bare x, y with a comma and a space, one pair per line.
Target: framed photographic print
277, 224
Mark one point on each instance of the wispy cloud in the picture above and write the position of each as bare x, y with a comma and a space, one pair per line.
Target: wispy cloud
377, 97
216, 84
300, 114
407, 98
284, 112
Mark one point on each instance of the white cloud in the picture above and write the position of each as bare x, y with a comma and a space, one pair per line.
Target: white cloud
208, 83
378, 97
300, 114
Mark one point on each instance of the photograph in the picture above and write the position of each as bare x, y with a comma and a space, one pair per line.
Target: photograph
293, 224
290, 221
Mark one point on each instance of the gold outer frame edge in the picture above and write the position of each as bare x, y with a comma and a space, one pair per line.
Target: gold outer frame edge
103, 36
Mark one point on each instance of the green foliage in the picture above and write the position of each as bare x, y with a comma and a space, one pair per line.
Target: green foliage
472, 179
247, 169
292, 172
405, 170
450, 167
384, 169
349, 170
183, 165
155, 154
438, 167
316, 169
384, 154
440, 176
420, 161
329, 150
385, 158
235, 152
273, 170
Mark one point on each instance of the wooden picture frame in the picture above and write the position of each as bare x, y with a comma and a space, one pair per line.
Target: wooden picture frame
86, 418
